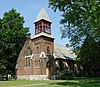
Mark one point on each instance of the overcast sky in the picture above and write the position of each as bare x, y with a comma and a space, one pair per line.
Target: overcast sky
29, 9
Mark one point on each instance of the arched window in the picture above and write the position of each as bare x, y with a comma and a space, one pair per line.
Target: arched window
37, 50
37, 63
28, 57
27, 62
48, 50
28, 51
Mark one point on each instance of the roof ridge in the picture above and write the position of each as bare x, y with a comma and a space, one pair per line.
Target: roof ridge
60, 45
64, 46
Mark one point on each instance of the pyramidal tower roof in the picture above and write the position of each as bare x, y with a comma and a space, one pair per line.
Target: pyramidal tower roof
42, 15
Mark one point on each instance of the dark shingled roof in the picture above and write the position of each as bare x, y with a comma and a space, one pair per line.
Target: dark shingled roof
63, 52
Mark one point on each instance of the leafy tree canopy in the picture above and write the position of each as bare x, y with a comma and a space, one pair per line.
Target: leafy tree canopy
81, 24
80, 18
12, 37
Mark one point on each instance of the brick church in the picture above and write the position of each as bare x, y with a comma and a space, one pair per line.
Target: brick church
40, 57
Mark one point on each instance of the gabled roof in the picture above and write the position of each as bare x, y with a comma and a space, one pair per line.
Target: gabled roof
63, 52
42, 15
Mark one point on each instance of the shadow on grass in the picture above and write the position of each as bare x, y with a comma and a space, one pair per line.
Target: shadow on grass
71, 84
79, 83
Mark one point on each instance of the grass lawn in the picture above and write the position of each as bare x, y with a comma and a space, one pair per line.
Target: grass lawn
80, 82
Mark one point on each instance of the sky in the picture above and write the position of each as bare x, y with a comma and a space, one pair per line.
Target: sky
29, 9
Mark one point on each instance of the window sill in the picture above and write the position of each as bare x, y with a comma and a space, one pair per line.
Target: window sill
37, 67
27, 68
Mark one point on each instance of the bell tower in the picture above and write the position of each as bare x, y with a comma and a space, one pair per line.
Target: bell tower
43, 43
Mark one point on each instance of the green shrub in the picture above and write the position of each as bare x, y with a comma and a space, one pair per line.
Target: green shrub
64, 74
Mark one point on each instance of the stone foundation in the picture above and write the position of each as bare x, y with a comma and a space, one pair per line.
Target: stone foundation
32, 77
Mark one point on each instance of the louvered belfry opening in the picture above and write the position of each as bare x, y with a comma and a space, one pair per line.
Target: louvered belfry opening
42, 26
42, 23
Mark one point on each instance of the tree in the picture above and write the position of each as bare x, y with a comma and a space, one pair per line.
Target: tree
80, 18
81, 24
89, 57
12, 37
